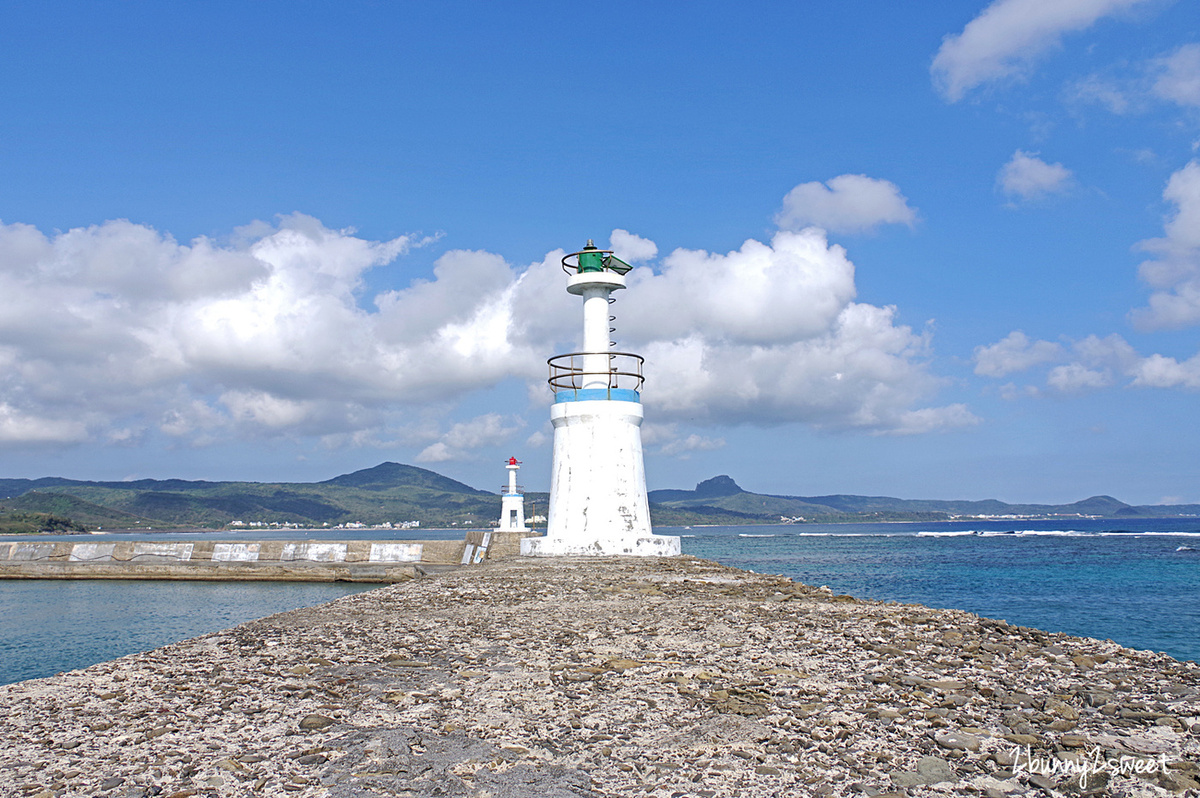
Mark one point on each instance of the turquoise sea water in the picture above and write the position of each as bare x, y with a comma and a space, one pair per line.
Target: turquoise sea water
53, 625
1136, 582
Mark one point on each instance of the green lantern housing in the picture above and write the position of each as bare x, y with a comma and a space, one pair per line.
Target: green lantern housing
593, 259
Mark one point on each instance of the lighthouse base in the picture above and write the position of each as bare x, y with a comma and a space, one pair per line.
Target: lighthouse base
598, 504
650, 546
512, 513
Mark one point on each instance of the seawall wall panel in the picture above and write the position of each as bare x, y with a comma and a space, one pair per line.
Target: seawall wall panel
308, 560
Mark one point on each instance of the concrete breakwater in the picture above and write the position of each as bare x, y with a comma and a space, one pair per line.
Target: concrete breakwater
606, 677
298, 560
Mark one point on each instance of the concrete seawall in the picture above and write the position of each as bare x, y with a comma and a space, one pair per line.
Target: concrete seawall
282, 560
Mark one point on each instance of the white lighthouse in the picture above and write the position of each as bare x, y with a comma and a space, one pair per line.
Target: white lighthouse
512, 501
598, 503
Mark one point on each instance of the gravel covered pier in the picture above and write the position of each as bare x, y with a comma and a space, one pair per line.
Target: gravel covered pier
606, 677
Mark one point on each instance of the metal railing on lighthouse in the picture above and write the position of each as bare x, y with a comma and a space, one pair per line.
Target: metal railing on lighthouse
569, 372
598, 372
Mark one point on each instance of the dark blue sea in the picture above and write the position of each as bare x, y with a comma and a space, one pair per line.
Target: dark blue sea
1135, 582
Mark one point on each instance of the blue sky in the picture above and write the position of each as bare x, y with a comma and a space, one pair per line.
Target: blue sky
903, 249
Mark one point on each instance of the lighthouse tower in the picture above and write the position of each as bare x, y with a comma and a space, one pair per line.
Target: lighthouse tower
512, 502
598, 503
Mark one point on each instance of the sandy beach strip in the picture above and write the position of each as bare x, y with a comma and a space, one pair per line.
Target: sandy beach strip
605, 677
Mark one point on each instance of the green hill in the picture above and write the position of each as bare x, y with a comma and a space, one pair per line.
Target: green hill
17, 523
40, 512
721, 496
62, 505
388, 476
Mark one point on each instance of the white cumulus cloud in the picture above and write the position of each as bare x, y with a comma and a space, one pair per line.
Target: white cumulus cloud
1088, 364
265, 334
1111, 353
1008, 37
19, 427
863, 371
933, 419
271, 334
538, 439
1029, 178
1159, 371
845, 204
1015, 352
464, 437
1137, 87
683, 446
764, 293
1103, 91
631, 248
767, 333
1178, 77
667, 439
1175, 273
1074, 377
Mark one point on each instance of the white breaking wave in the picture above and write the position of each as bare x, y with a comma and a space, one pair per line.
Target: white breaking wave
848, 535
1055, 533
995, 533
1060, 533
958, 534
937, 533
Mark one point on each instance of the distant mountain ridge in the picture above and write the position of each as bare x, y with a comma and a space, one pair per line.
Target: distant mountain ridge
721, 493
396, 493
386, 493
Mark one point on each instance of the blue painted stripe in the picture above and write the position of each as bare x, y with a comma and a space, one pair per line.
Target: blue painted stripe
602, 394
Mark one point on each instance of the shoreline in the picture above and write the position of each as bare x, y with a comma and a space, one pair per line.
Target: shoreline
418, 530
603, 677
274, 533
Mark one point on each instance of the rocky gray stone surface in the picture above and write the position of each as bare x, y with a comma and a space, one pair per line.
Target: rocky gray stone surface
605, 677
